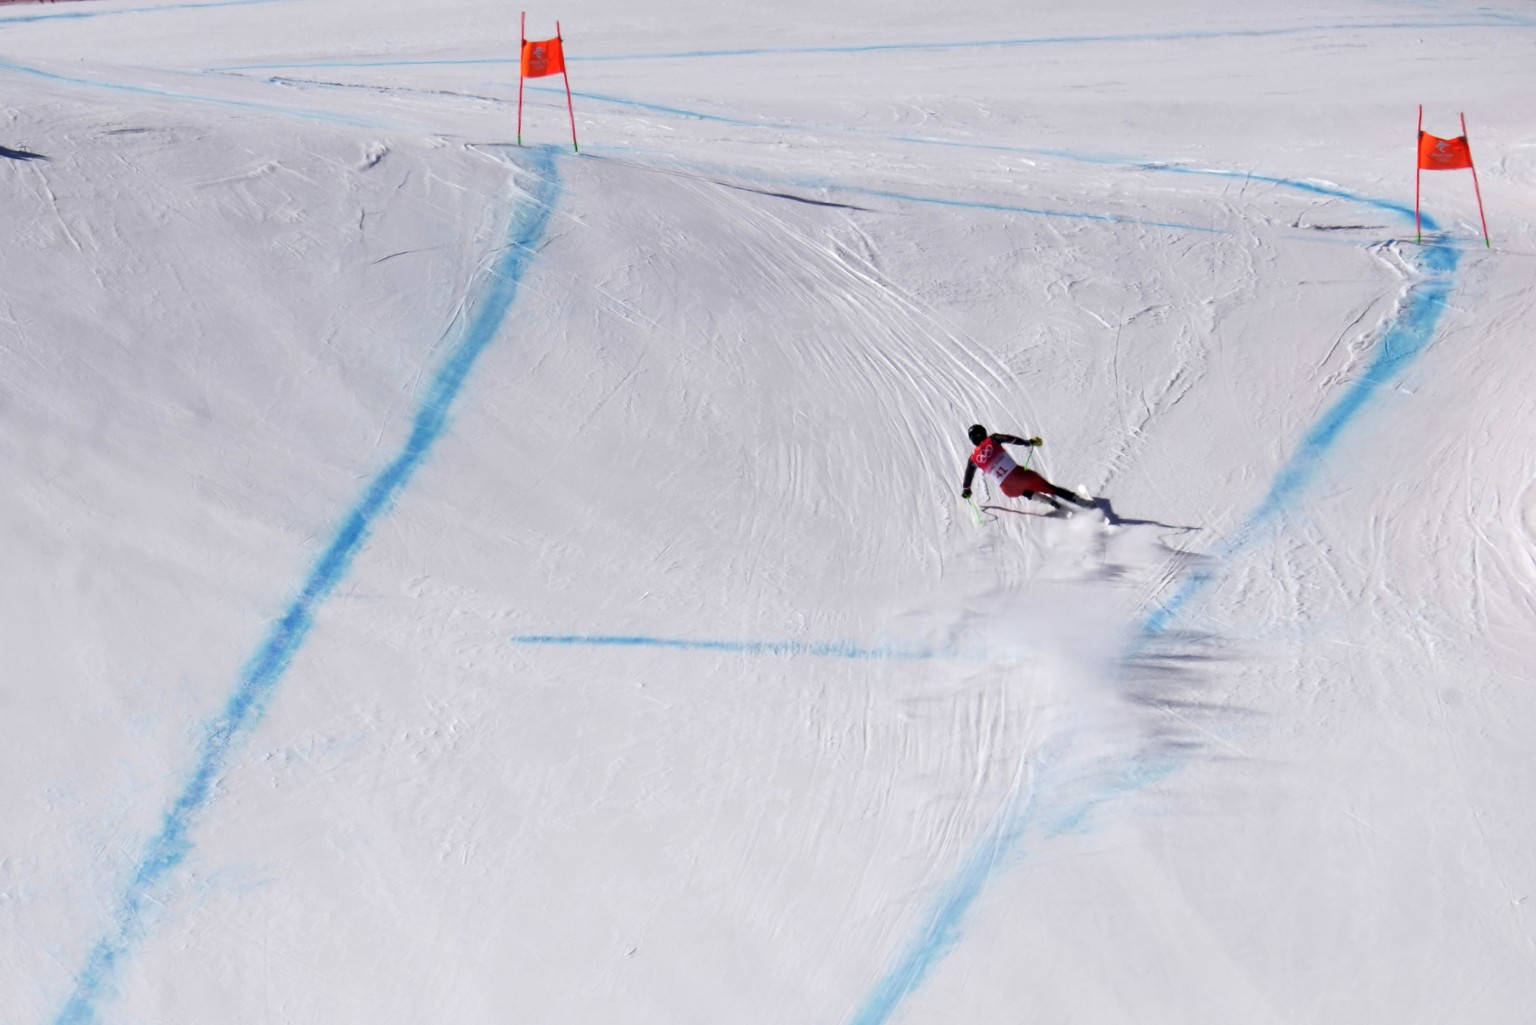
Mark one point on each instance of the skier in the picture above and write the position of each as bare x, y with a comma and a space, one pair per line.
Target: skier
1015, 481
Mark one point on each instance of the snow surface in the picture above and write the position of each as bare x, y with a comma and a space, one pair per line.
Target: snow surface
448, 581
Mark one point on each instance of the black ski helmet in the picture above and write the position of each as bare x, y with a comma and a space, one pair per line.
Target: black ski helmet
978, 434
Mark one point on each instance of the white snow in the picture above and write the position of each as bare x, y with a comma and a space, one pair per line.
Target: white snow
449, 581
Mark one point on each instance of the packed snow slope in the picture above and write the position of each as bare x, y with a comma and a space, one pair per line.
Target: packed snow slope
448, 580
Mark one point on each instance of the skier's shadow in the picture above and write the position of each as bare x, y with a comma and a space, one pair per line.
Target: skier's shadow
19, 154
1111, 517
1116, 520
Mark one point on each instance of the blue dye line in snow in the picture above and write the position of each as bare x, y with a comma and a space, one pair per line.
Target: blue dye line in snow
381, 62
998, 849
145, 90
818, 650
904, 197
258, 681
815, 129
1408, 334
1012, 209
1074, 156
78, 13
661, 108
1195, 35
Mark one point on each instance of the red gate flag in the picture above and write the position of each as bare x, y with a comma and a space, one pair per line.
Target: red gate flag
543, 57
1437, 154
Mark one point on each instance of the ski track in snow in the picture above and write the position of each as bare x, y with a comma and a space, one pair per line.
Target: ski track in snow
259, 680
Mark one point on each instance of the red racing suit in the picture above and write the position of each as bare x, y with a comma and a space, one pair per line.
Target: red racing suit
1012, 479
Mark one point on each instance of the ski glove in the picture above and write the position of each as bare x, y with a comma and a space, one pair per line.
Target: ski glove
1034, 442
966, 493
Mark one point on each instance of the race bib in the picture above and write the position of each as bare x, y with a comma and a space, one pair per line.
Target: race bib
993, 460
